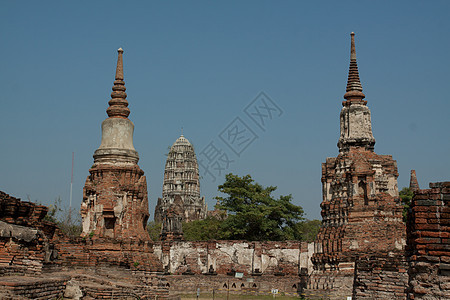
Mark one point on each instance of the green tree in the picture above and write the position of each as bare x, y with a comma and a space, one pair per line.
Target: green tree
154, 230
203, 230
406, 195
307, 230
254, 214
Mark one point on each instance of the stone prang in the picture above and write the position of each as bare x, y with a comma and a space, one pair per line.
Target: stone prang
181, 178
115, 202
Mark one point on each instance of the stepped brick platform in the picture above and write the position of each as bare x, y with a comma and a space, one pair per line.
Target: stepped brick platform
16, 287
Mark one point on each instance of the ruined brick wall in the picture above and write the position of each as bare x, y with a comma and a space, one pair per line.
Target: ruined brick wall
380, 277
228, 257
22, 250
429, 243
25, 238
25, 249
24, 213
128, 254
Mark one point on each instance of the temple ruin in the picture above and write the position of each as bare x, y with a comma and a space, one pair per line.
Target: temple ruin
181, 178
115, 202
361, 208
363, 250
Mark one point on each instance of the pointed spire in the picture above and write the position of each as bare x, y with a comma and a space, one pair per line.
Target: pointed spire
118, 105
413, 183
354, 87
356, 127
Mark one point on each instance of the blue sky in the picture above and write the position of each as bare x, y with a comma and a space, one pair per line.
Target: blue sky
197, 65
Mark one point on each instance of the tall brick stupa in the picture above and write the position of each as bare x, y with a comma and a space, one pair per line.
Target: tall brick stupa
115, 202
361, 209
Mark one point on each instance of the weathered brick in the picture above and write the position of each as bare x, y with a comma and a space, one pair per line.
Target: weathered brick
427, 227
420, 220
434, 236
427, 240
426, 215
428, 258
438, 246
426, 202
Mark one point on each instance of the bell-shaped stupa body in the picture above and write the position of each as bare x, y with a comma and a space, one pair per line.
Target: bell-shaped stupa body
115, 202
181, 178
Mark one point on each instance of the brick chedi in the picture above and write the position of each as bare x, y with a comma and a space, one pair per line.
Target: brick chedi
115, 202
361, 209
181, 178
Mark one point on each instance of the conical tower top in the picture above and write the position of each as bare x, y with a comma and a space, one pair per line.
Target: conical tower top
356, 126
354, 87
118, 105
117, 130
